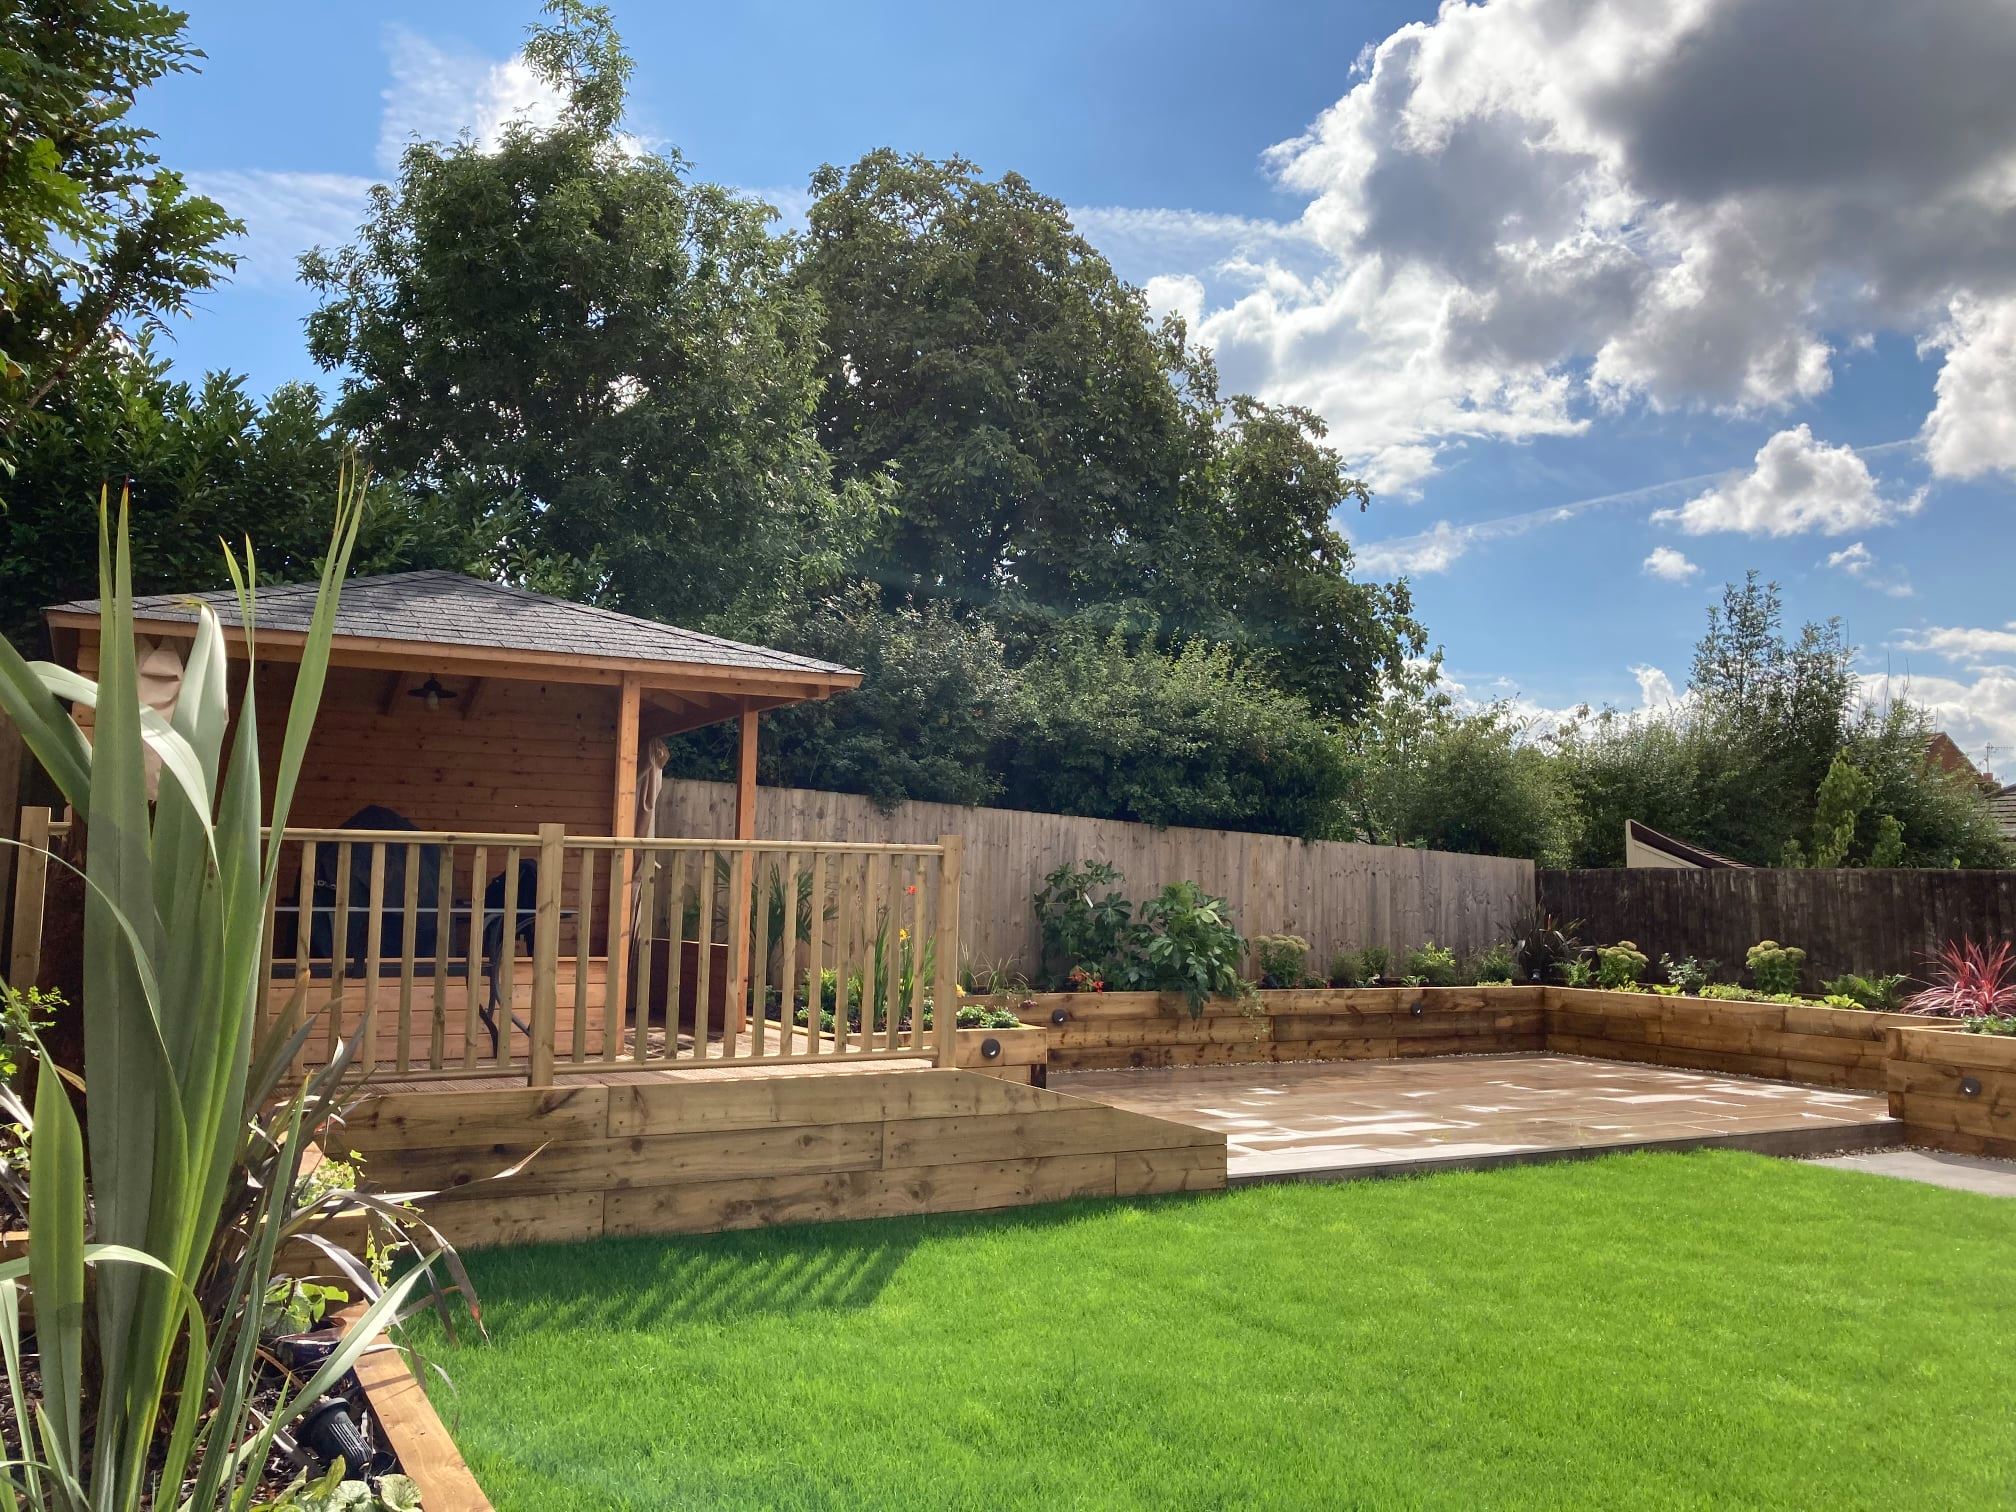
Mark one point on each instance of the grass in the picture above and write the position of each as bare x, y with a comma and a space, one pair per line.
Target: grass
1652, 1330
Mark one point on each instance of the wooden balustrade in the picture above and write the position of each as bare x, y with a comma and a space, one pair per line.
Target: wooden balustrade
458, 955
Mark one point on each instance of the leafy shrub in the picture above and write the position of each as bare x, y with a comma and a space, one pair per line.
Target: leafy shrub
1281, 957
1086, 976
1083, 917
1431, 966
1347, 969
1968, 980
1619, 966
1493, 965
1775, 967
1727, 992
1879, 994
1188, 945
1687, 974
1109, 726
986, 1016
1378, 961
1994, 1023
1541, 945
1577, 972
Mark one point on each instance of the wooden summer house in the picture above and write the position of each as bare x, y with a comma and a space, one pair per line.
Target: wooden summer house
472, 864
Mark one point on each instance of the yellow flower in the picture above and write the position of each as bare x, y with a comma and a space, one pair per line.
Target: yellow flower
902, 934
958, 989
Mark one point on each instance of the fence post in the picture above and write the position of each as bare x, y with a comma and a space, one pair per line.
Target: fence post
546, 952
24, 962
944, 993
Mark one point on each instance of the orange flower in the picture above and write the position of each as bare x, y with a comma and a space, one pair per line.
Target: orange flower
911, 888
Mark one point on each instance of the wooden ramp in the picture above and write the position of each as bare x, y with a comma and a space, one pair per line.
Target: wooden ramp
683, 1152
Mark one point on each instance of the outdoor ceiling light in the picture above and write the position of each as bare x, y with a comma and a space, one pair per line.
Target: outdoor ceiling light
990, 1048
1970, 1086
430, 690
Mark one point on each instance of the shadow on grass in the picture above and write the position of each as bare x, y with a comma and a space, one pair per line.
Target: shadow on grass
651, 1283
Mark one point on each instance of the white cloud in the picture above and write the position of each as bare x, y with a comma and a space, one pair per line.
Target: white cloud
1176, 294
1961, 643
1798, 484
437, 95
1656, 693
1431, 551
1524, 210
1972, 427
1673, 566
1859, 562
285, 214
1655, 688
1132, 237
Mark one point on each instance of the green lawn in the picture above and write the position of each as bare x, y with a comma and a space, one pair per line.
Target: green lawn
1690, 1330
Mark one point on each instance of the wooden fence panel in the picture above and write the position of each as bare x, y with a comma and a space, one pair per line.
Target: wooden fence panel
1338, 896
1856, 919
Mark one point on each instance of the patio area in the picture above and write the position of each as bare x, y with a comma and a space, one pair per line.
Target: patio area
1382, 1118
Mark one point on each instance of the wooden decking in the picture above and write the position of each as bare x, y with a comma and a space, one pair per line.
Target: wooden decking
1384, 1118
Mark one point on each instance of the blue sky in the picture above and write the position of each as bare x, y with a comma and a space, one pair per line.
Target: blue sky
1612, 300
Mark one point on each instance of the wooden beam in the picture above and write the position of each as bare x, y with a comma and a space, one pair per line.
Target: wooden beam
740, 877
623, 816
745, 774
395, 686
469, 696
623, 825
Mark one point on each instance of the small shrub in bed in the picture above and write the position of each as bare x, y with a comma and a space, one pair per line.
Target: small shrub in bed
1281, 958
1878, 994
1083, 917
1576, 971
1493, 967
1347, 969
1968, 981
1378, 961
1188, 945
2000, 1023
1687, 974
1619, 966
1542, 946
1775, 967
1431, 966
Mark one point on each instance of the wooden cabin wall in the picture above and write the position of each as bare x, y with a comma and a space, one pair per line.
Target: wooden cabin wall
502, 757
526, 754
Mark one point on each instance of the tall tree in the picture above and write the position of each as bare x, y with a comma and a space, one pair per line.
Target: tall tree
1056, 450
568, 337
97, 238
979, 346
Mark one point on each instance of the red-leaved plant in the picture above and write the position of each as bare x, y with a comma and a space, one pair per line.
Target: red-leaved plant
1968, 981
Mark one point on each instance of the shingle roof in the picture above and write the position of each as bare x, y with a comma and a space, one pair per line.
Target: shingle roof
451, 609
